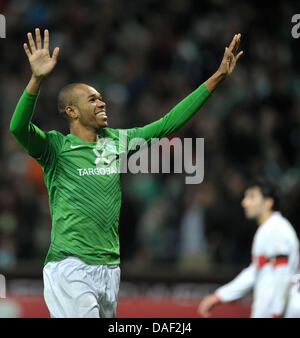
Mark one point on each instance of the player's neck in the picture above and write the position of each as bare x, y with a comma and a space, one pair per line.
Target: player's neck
264, 217
87, 135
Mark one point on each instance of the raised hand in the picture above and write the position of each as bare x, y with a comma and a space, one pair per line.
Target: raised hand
231, 56
227, 65
41, 62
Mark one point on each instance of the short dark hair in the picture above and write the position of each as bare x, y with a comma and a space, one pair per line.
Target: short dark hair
66, 98
268, 189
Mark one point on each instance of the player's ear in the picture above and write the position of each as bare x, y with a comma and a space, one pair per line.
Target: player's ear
270, 203
71, 112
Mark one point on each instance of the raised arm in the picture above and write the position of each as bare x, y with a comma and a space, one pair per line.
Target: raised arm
186, 108
25, 132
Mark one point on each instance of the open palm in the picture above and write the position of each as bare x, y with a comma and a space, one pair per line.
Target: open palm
41, 62
231, 56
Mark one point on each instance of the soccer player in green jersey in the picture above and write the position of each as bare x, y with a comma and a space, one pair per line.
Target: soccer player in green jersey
81, 272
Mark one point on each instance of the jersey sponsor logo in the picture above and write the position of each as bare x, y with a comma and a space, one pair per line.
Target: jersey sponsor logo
97, 171
105, 162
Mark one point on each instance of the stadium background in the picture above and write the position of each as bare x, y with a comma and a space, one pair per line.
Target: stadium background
178, 241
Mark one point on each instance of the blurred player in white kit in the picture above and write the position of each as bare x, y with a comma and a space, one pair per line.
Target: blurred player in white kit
275, 259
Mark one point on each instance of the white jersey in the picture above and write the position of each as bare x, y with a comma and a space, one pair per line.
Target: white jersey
293, 305
275, 259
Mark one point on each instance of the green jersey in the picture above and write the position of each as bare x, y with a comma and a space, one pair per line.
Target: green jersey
83, 178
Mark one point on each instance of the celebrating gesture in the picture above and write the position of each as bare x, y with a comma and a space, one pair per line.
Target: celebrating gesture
39, 58
41, 62
227, 65
231, 56
84, 195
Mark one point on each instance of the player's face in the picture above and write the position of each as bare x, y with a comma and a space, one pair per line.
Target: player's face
91, 107
254, 203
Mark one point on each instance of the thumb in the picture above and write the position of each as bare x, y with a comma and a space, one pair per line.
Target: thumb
55, 53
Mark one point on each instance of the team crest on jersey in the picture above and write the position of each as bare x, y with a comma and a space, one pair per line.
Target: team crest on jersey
99, 145
106, 144
111, 147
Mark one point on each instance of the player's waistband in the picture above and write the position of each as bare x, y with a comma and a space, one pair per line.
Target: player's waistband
112, 266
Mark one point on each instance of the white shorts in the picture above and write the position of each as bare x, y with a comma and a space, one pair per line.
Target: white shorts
74, 289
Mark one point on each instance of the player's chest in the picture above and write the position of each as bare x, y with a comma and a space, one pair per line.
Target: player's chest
259, 243
87, 160
260, 256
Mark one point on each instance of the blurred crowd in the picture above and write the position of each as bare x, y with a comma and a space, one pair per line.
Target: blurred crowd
144, 57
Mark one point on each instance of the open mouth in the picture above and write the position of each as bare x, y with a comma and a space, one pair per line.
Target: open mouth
101, 114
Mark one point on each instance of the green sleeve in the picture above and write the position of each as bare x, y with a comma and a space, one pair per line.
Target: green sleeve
174, 119
32, 138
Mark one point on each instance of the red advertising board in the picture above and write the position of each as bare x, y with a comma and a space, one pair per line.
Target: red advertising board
33, 306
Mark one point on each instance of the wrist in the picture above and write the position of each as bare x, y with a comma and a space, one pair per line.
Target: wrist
212, 83
34, 84
219, 75
37, 78
217, 298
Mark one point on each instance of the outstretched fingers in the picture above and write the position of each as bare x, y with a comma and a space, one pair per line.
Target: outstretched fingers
55, 53
46, 39
37, 44
232, 43
233, 50
31, 42
27, 51
38, 38
236, 47
239, 54
237, 44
